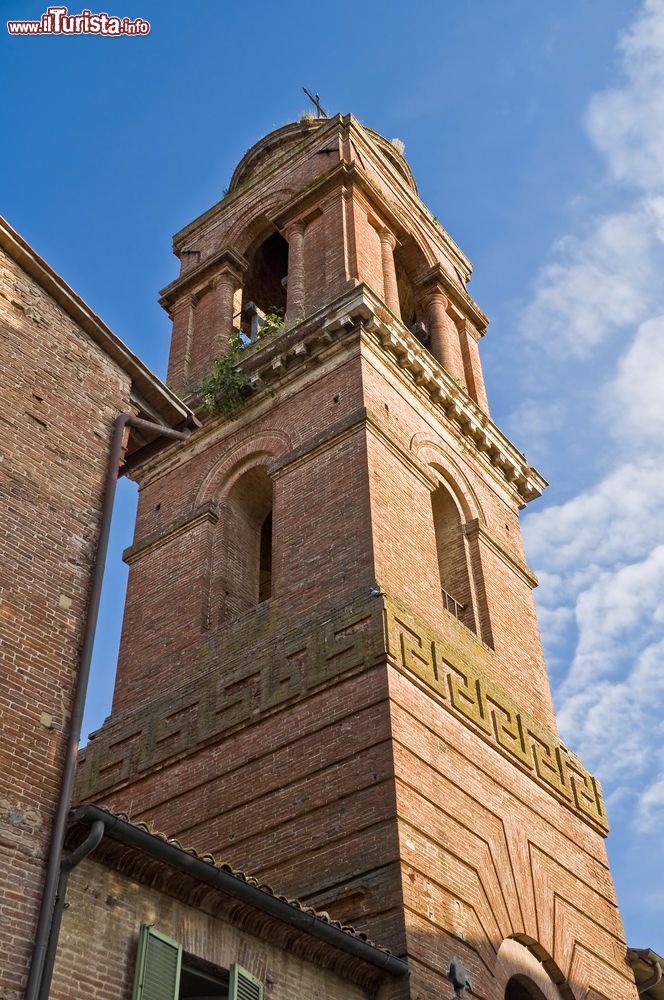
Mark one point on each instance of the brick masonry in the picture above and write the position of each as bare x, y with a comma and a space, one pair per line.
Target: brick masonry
60, 396
116, 905
351, 740
64, 377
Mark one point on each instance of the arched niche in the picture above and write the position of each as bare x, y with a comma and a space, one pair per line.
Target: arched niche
522, 988
410, 264
453, 563
525, 971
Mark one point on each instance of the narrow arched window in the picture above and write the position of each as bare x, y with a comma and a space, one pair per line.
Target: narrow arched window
265, 568
455, 587
248, 546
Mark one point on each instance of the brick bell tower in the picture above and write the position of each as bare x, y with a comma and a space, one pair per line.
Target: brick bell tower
331, 672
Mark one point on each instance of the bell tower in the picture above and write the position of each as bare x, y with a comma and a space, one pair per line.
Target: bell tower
331, 672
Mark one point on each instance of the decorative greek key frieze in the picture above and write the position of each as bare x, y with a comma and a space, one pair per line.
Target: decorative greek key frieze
238, 691
462, 684
251, 681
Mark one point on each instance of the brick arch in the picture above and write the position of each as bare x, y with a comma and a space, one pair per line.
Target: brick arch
431, 453
253, 223
522, 958
253, 449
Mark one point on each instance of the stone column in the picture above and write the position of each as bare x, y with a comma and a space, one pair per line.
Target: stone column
391, 291
295, 287
444, 336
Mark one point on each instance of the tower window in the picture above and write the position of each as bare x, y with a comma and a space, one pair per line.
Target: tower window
520, 988
248, 552
456, 592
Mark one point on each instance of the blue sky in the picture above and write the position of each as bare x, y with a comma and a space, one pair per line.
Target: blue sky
536, 135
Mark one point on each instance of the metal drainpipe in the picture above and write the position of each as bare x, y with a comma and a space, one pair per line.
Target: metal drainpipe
656, 977
124, 420
69, 862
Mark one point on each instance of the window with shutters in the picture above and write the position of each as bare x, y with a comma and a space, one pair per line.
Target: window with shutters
244, 986
158, 966
164, 972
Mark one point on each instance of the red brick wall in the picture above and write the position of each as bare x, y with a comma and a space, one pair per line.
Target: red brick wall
404, 538
303, 800
60, 397
487, 855
180, 596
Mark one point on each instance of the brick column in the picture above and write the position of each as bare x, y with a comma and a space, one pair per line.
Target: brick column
225, 285
391, 292
182, 315
444, 336
295, 287
471, 354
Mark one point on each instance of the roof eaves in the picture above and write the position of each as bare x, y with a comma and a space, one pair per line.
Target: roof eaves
243, 887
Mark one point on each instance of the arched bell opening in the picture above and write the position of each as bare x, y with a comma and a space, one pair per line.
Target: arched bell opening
410, 263
264, 291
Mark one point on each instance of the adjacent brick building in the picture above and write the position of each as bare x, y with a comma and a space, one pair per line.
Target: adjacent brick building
331, 671
64, 378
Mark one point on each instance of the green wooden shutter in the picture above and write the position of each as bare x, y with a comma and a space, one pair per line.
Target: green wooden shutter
157, 966
243, 985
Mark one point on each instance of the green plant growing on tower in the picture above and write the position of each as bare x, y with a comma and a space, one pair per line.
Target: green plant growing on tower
271, 324
226, 388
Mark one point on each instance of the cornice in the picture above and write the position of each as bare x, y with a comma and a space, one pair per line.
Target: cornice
361, 309
207, 512
227, 257
316, 338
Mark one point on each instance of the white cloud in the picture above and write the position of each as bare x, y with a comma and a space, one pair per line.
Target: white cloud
602, 593
627, 122
610, 523
604, 278
651, 810
594, 284
634, 398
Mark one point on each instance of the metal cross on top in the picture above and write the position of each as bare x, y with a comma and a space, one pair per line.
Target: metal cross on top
315, 100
